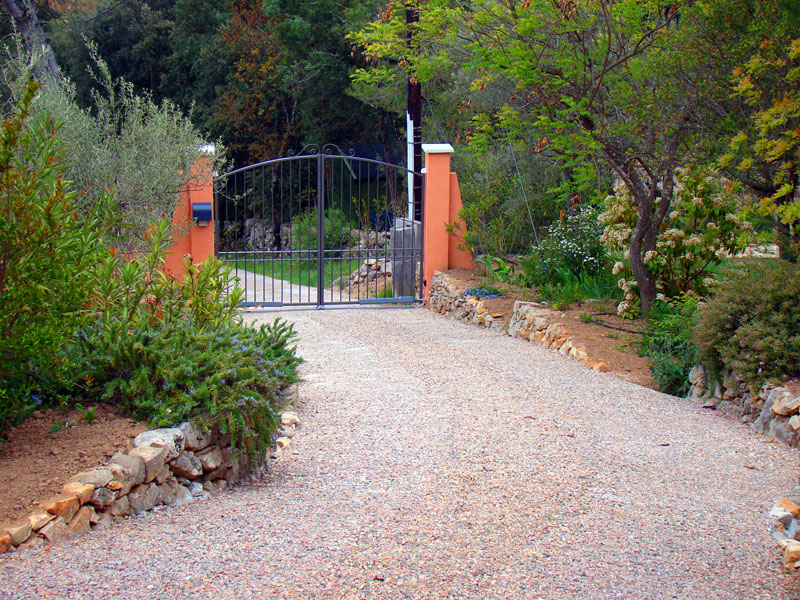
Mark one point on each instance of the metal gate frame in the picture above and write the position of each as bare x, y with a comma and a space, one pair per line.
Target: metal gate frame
320, 156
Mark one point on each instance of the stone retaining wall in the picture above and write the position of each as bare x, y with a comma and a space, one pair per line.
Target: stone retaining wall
166, 467
529, 321
772, 409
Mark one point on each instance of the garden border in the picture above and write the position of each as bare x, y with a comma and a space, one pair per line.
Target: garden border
166, 467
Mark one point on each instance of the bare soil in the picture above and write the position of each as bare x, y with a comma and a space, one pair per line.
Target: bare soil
42, 453
594, 325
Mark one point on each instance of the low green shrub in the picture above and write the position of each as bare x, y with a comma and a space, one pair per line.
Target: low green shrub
751, 323
668, 344
570, 246
564, 287
227, 378
338, 231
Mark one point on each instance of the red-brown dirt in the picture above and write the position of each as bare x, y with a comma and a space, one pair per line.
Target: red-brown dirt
593, 324
42, 453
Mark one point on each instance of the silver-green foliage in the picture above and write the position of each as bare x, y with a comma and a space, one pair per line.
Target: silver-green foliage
124, 142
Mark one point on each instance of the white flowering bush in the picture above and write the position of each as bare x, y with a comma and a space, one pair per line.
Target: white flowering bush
700, 230
572, 245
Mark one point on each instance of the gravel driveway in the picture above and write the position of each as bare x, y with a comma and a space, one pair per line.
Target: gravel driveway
439, 460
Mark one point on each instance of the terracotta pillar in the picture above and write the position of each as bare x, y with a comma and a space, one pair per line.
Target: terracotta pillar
192, 239
442, 203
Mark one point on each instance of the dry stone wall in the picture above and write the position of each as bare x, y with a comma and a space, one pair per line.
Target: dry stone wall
772, 409
166, 467
529, 321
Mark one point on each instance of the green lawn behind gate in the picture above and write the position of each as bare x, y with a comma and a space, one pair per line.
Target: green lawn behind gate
300, 272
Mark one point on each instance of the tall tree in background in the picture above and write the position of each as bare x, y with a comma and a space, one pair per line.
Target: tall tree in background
34, 41
315, 68
256, 109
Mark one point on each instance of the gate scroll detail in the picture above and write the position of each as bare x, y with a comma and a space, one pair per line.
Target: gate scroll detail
320, 228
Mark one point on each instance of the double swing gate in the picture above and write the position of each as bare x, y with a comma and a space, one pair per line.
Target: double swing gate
321, 228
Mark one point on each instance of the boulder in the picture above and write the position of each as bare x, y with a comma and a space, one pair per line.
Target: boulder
163, 475
143, 498
62, 505
99, 477
791, 554
194, 437
134, 464
789, 506
81, 522
121, 507
779, 430
784, 403
153, 459
170, 438
39, 519
182, 496
5, 543
168, 492
289, 418
56, 531
18, 532
103, 498
81, 490
186, 465
102, 521
122, 479
780, 515
210, 458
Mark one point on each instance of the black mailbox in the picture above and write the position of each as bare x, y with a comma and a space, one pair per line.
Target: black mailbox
201, 211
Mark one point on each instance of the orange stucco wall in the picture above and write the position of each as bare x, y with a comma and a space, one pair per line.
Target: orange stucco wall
442, 203
192, 240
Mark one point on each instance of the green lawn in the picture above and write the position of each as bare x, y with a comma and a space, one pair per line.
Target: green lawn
302, 272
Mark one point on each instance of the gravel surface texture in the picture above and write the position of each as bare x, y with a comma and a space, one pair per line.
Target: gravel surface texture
438, 460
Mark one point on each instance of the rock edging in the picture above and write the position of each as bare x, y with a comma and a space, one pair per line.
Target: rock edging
166, 467
774, 411
530, 321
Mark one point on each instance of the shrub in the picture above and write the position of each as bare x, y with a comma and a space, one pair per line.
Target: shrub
751, 322
668, 344
338, 232
47, 253
170, 349
701, 228
124, 141
570, 246
227, 378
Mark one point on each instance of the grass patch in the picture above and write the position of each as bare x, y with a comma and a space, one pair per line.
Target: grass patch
300, 272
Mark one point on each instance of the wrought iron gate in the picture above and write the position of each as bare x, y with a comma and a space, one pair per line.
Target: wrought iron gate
320, 228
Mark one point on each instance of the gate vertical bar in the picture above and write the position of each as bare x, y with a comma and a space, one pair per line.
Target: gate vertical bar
320, 230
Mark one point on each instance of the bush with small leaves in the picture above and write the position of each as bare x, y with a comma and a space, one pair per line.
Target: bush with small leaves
751, 322
667, 342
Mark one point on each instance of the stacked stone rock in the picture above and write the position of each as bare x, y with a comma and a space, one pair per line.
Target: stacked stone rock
374, 273
529, 321
786, 528
452, 303
166, 467
772, 409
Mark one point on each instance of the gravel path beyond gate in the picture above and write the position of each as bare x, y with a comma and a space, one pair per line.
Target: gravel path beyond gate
438, 460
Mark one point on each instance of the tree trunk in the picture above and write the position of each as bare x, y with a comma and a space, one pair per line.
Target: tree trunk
34, 41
